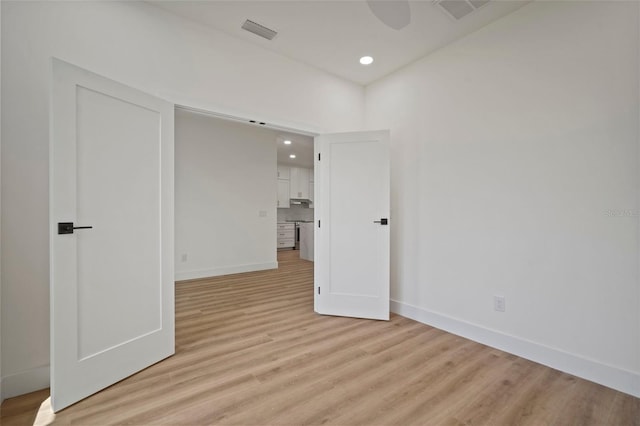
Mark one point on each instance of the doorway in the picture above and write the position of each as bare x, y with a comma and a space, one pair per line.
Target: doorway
227, 191
243, 167
296, 181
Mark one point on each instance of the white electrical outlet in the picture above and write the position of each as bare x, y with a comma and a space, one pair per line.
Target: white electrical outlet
262, 213
499, 303
183, 258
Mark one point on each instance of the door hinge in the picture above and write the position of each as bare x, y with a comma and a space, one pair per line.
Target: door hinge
318, 290
318, 224
318, 156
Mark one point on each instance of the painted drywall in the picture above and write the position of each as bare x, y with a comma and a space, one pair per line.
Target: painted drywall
515, 173
142, 46
225, 181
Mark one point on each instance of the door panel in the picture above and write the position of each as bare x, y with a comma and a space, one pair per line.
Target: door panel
123, 212
352, 262
112, 309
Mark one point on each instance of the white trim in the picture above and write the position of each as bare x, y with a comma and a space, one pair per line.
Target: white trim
25, 382
220, 111
225, 270
607, 375
239, 118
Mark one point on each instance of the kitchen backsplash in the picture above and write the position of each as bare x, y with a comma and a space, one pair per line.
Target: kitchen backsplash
295, 213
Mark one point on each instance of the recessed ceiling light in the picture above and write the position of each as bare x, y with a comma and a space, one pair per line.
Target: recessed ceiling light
292, 156
366, 60
287, 142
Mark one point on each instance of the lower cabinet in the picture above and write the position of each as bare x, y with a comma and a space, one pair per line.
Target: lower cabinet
286, 235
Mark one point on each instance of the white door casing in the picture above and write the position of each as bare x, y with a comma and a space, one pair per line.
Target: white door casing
352, 251
112, 295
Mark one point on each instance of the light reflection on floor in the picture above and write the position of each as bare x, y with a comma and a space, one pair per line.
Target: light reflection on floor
45, 415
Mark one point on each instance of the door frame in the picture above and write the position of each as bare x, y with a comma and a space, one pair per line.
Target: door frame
240, 117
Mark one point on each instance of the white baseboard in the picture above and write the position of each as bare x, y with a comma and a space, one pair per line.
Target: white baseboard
226, 270
25, 382
613, 377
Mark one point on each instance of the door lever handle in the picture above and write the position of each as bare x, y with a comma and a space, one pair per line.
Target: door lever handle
383, 221
67, 227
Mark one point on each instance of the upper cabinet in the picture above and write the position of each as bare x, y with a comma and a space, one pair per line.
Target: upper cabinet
283, 186
283, 194
299, 182
294, 182
284, 172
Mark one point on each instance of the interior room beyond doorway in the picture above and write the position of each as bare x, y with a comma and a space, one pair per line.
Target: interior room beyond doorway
227, 193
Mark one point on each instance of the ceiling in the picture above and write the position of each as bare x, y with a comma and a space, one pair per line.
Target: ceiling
301, 146
310, 31
333, 35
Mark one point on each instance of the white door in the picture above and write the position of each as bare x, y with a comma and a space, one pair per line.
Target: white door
112, 296
352, 224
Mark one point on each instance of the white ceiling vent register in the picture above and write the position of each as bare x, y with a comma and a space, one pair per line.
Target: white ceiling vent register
458, 9
257, 29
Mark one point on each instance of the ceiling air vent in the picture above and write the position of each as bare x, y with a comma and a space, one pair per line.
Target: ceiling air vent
458, 9
258, 29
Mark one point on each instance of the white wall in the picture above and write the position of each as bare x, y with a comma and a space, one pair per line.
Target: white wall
225, 176
510, 150
145, 47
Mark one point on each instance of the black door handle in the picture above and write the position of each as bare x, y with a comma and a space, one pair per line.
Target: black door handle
383, 221
67, 227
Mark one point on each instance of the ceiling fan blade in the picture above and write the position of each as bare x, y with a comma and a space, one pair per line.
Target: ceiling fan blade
395, 14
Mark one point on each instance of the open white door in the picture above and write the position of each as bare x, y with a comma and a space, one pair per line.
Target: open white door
112, 295
352, 224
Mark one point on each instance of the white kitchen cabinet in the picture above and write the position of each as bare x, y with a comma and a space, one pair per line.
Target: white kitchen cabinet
286, 233
284, 172
299, 181
283, 194
284, 186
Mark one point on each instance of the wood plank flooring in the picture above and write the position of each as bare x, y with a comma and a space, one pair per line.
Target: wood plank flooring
251, 351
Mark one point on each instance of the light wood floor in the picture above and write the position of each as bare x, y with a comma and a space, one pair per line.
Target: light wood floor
250, 351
